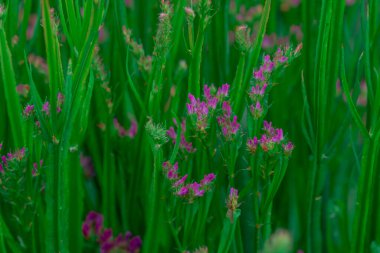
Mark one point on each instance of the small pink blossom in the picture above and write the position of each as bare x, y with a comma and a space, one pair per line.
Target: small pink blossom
46, 108
180, 181
183, 191
208, 179
28, 111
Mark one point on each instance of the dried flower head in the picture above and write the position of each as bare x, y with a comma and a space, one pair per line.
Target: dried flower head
232, 203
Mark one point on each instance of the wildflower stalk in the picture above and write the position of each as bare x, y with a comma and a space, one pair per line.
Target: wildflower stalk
157, 139
196, 61
253, 57
244, 44
161, 49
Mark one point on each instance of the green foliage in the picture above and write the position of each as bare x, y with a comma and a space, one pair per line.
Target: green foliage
100, 99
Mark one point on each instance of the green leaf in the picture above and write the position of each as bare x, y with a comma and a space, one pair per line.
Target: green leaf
228, 233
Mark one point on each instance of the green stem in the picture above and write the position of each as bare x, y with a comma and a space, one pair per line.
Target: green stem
366, 192
195, 66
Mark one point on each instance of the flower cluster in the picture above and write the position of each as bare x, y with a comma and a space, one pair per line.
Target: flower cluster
262, 78
184, 144
232, 203
269, 140
229, 128
122, 132
201, 109
30, 109
18, 156
188, 191
93, 226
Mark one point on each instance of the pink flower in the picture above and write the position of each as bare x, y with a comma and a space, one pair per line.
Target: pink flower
252, 145
207, 92
256, 110
183, 191
195, 188
229, 128
180, 182
208, 179
279, 136
259, 75
226, 107
46, 108
93, 223
122, 132
223, 91
288, 148
29, 109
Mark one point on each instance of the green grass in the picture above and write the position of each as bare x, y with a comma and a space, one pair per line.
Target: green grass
97, 70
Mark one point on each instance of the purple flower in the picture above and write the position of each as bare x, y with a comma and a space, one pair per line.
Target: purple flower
234, 125
132, 131
93, 223
256, 110
259, 75
252, 145
122, 132
279, 136
106, 235
195, 187
4, 160
207, 92
180, 182
171, 133
188, 146
29, 109
226, 108
207, 179
229, 128
1, 168
212, 102
257, 92
223, 91
288, 148
172, 172
183, 191
233, 193
135, 244
192, 99
46, 108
